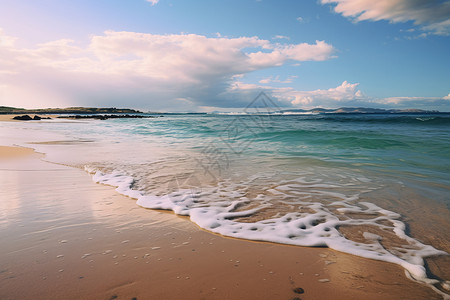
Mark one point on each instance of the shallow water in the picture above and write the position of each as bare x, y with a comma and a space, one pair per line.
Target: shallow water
372, 185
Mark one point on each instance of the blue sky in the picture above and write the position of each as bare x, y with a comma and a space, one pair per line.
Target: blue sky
176, 55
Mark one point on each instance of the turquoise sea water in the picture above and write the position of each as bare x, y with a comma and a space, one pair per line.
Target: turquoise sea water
372, 185
400, 147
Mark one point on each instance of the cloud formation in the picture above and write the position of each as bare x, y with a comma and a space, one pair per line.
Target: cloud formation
276, 79
431, 15
345, 95
180, 72
281, 37
345, 92
145, 68
332, 97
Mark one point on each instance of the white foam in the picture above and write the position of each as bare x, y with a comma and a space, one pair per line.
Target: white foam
319, 228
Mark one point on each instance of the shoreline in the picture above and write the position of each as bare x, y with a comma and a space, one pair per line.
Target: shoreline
85, 232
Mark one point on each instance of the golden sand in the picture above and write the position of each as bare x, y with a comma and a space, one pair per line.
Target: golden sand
64, 237
7, 152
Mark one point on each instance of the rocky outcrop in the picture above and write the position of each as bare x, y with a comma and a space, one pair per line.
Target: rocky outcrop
23, 118
28, 118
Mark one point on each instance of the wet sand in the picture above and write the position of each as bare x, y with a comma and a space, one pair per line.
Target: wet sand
64, 237
9, 152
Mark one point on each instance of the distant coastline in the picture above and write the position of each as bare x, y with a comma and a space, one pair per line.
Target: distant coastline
361, 110
112, 110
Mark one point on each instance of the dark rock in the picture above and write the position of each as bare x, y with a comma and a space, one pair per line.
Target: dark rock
36, 117
299, 290
23, 118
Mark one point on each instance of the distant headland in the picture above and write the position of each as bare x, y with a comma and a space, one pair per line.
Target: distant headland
112, 110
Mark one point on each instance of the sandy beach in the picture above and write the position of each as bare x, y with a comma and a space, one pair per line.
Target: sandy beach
64, 237
225, 150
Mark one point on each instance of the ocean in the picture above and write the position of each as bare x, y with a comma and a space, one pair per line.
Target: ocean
372, 185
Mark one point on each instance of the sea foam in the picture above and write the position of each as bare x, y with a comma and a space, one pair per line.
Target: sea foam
320, 226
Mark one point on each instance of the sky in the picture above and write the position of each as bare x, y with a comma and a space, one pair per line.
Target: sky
212, 55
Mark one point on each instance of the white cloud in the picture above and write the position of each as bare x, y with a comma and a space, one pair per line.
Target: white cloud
345, 92
153, 2
332, 97
281, 37
406, 100
430, 15
345, 95
428, 103
300, 19
147, 70
167, 72
277, 79
303, 52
